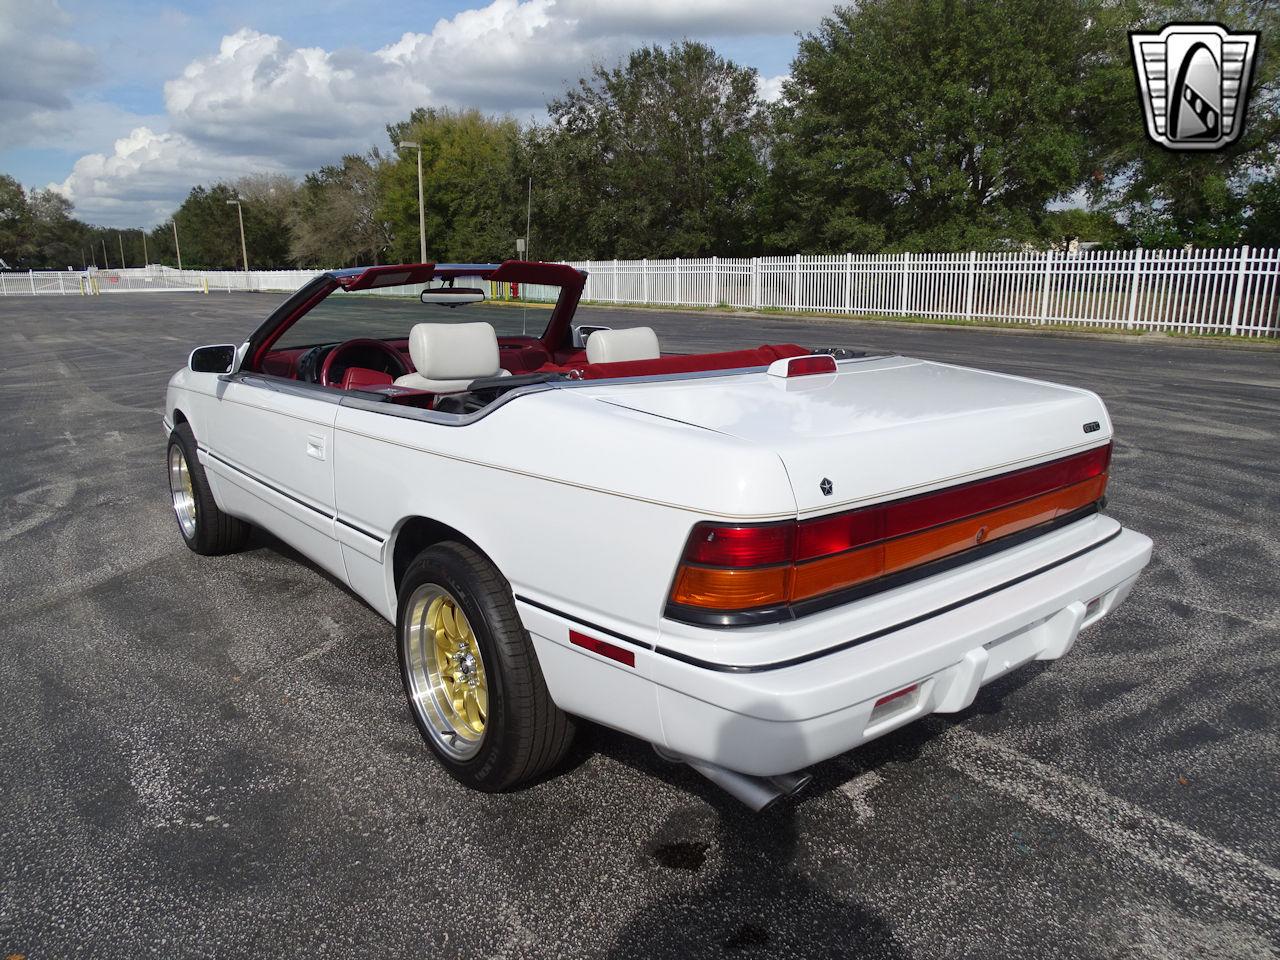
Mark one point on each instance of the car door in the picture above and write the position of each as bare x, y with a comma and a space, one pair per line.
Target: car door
270, 444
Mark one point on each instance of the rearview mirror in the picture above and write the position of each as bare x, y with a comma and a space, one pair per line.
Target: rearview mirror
581, 333
220, 358
452, 296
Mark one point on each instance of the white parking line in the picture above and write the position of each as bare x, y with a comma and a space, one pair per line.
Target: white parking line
1238, 880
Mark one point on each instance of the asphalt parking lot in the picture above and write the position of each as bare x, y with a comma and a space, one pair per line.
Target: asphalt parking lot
212, 757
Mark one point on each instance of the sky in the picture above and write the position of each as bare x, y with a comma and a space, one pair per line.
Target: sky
124, 106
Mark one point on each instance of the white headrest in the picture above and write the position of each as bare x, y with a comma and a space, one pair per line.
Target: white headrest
454, 351
611, 346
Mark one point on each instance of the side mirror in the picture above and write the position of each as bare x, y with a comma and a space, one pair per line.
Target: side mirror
220, 358
581, 333
451, 296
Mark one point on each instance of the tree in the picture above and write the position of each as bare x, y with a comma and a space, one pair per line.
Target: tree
1167, 197
934, 124
209, 228
1262, 226
59, 237
1059, 227
17, 240
471, 196
660, 156
210, 235
336, 219
267, 200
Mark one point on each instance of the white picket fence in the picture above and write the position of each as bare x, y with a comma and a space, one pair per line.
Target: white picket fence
1234, 291
1217, 291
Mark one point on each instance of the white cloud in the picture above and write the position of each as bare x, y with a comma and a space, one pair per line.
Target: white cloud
146, 175
259, 103
40, 66
676, 18
259, 94
770, 88
510, 56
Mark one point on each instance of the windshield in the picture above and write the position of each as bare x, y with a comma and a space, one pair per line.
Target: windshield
389, 313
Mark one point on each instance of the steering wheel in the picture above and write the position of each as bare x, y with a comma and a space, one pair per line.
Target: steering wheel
327, 379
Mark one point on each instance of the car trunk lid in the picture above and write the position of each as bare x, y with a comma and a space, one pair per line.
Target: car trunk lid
881, 428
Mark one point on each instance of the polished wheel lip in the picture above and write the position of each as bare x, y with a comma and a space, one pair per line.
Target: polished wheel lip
445, 672
182, 491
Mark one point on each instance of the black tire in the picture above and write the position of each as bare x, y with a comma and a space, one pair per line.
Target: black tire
525, 733
214, 532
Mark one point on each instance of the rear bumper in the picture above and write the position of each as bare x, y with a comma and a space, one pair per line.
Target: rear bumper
764, 719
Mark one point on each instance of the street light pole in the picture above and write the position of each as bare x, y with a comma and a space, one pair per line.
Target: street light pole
177, 249
528, 221
422, 211
244, 251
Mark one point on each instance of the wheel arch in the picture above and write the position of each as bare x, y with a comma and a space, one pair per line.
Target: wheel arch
416, 533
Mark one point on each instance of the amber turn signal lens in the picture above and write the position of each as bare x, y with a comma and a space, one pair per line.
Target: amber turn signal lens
720, 589
952, 538
838, 572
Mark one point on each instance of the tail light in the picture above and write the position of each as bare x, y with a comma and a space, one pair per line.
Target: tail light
789, 367
727, 569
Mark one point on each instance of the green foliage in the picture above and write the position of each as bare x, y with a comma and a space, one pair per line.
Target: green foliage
37, 230
209, 229
924, 125
1059, 227
17, 240
933, 124
1263, 220
474, 204
335, 219
661, 156
1172, 198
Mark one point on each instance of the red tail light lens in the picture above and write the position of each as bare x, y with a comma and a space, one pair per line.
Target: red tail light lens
844, 531
757, 546
932, 509
743, 567
806, 366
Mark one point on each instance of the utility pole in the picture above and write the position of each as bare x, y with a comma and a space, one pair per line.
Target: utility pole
528, 219
120, 240
422, 211
177, 249
244, 251
146, 259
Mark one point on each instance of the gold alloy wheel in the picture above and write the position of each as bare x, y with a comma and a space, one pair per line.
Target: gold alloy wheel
447, 684
183, 493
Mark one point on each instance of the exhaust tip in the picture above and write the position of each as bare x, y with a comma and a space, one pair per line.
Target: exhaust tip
791, 784
758, 793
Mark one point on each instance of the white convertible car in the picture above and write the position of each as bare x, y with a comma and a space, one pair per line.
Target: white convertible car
753, 560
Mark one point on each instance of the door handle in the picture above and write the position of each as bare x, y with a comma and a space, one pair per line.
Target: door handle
315, 446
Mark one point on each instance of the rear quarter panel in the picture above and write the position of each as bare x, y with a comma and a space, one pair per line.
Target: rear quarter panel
581, 505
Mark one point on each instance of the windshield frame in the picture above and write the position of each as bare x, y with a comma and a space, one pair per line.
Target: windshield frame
556, 336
